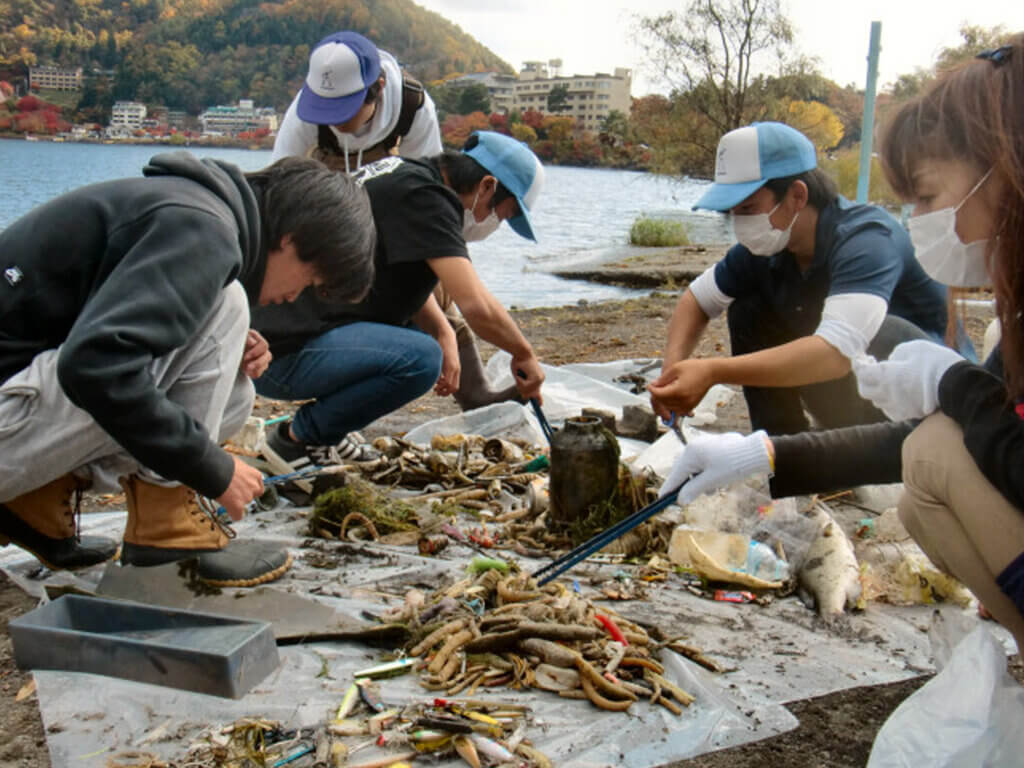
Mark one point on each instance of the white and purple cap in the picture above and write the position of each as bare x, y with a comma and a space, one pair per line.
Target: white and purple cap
513, 164
751, 156
341, 68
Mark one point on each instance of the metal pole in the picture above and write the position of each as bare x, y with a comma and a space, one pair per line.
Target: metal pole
868, 122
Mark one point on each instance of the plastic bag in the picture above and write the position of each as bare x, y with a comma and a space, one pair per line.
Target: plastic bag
967, 716
508, 420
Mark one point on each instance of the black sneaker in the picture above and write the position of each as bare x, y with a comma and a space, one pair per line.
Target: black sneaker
352, 447
286, 456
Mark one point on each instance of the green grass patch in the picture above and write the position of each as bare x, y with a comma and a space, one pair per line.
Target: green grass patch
658, 232
62, 99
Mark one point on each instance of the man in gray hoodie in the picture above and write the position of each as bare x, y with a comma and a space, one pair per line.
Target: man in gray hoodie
126, 354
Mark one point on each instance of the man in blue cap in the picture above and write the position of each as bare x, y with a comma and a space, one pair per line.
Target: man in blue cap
358, 362
356, 106
814, 282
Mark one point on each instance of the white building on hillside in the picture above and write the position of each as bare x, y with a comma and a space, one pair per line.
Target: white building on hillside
221, 120
127, 115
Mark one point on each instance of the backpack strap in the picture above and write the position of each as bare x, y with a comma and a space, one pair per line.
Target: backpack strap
413, 97
326, 141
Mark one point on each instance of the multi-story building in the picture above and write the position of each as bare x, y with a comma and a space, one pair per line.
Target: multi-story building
500, 86
56, 78
127, 115
177, 118
222, 120
589, 98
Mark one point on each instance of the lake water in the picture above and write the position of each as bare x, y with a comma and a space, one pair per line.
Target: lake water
580, 213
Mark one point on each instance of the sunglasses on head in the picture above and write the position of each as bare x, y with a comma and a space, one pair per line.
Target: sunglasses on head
997, 56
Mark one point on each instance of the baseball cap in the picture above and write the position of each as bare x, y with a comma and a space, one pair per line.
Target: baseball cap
513, 164
341, 67
749, 157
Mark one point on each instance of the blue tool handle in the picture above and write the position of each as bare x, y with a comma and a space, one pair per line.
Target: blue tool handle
557, 567
273, 480
676, 425
545, 427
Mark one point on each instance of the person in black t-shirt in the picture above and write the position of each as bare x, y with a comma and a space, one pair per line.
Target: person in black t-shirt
359, 362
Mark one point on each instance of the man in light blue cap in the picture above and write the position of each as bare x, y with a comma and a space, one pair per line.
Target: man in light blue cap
814, 282
357, 362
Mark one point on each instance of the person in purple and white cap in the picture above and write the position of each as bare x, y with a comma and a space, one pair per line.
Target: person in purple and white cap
356, 106
814, 282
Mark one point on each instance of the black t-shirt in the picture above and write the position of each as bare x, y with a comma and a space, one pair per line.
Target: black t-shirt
418, 218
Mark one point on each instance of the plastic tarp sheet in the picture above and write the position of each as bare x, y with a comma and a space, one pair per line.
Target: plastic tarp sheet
89, 718
773, 654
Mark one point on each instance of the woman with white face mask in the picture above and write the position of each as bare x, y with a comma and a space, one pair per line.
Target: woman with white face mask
957, 153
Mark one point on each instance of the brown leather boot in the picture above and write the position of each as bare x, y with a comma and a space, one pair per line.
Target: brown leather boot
43, 522
166, 524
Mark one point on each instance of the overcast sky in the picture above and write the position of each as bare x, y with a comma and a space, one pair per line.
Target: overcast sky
595, 35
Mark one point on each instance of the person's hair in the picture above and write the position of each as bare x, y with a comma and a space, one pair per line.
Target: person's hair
374, 90
328, 217
821, 190
464, 173
974, 114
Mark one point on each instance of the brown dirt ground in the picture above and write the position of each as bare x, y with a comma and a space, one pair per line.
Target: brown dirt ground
836, 730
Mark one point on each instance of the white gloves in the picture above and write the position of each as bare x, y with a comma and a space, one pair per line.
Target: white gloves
906, 386
716, 461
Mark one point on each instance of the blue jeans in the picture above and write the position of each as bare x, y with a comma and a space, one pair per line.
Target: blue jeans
355, 373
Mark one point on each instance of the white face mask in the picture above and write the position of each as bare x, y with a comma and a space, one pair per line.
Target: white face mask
754, 231
944, 256
473, 230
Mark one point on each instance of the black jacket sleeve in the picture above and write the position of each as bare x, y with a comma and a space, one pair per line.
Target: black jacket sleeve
836, 459
993, 433
176, 262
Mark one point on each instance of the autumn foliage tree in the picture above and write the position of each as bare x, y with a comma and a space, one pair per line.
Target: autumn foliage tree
817, 122
457, 128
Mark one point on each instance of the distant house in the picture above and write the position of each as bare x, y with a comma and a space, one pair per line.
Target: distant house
56, 78
127, 114
230, 121
126, 117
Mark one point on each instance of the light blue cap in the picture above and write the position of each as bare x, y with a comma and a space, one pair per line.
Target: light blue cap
749, 157
513, 164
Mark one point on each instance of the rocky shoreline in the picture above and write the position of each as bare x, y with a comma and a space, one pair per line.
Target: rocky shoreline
639, 267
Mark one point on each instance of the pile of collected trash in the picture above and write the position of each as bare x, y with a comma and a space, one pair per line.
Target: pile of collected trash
364, 733
499, 629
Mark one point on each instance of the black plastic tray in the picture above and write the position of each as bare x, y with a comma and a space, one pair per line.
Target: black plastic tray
202, 652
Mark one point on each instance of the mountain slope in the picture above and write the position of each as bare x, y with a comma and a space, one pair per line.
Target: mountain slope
192, 53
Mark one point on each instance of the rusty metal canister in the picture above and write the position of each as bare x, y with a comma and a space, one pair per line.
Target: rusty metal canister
584, 468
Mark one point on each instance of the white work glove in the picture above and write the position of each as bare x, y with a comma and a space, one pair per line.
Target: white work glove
906, 386
716, 461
